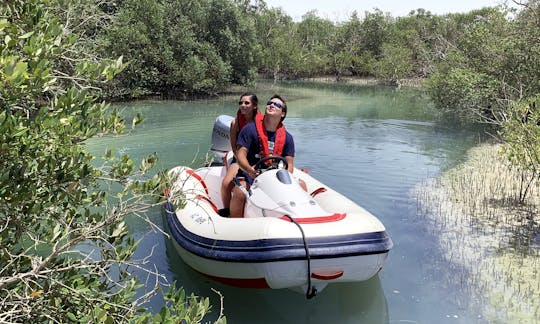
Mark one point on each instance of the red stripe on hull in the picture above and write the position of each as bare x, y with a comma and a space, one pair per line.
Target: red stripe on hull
316, 220
258, 283
198, 177
214, 207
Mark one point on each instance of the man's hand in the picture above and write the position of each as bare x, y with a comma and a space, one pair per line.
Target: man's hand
252, 172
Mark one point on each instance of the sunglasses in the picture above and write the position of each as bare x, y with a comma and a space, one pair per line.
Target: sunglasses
247, 103
275, 104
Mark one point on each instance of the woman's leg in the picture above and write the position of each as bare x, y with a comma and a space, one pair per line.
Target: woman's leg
238, 200
227, 185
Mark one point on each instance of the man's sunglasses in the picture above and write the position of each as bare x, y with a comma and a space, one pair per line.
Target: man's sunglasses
276, 104
247, 103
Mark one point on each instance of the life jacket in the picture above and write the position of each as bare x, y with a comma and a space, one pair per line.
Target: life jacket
279, 141
241, 119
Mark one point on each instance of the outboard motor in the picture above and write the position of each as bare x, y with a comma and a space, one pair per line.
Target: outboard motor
221, 143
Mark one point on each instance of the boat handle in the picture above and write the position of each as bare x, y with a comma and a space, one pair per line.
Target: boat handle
318, 191
327, 276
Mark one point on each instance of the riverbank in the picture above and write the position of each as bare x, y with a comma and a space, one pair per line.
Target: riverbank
483, 230
239, 89
412, 83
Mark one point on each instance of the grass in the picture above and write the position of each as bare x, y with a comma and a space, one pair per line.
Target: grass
483, 228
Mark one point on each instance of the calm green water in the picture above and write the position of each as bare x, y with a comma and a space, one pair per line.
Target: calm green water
372, 144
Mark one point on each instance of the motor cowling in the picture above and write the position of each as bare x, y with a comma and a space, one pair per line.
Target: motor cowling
221, 143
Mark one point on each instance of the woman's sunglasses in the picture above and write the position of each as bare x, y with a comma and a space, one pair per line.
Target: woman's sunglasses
247, 103
276, 104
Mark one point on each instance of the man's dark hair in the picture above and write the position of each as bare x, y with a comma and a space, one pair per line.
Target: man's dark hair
284, 108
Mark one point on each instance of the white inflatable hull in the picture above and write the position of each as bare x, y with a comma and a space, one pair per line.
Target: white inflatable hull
332, 239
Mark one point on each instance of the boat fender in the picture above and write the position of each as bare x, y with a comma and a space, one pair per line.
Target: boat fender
283, 176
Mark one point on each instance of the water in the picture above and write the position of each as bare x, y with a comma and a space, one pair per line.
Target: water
373, 145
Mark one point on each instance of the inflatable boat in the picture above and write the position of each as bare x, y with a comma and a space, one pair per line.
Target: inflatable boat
288, 238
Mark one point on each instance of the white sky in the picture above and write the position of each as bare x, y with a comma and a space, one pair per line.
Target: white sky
340, 10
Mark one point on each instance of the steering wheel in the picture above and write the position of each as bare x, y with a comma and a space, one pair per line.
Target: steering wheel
262, 162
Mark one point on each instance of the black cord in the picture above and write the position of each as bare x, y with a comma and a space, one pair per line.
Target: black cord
311, 291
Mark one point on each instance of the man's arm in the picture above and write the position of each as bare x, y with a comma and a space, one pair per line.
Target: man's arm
288, 151
241, 156
290, 161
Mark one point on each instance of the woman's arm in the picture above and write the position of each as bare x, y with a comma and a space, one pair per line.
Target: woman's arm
233, 135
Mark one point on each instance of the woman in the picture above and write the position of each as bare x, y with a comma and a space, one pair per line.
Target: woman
247, 111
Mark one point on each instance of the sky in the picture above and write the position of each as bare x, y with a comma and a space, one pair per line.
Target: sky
340, 10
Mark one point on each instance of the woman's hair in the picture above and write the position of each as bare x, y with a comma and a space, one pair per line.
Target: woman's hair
284, 108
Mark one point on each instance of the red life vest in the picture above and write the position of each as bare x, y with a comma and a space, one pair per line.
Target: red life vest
279, 141
241, 119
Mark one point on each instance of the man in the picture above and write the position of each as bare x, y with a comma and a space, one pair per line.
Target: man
266, 137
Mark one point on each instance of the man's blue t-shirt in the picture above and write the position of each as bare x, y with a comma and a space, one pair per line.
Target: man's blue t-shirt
249, 139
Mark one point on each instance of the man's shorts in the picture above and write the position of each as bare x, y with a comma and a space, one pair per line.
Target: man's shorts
242, 175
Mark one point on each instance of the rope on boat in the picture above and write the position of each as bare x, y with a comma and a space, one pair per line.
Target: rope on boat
311, 291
